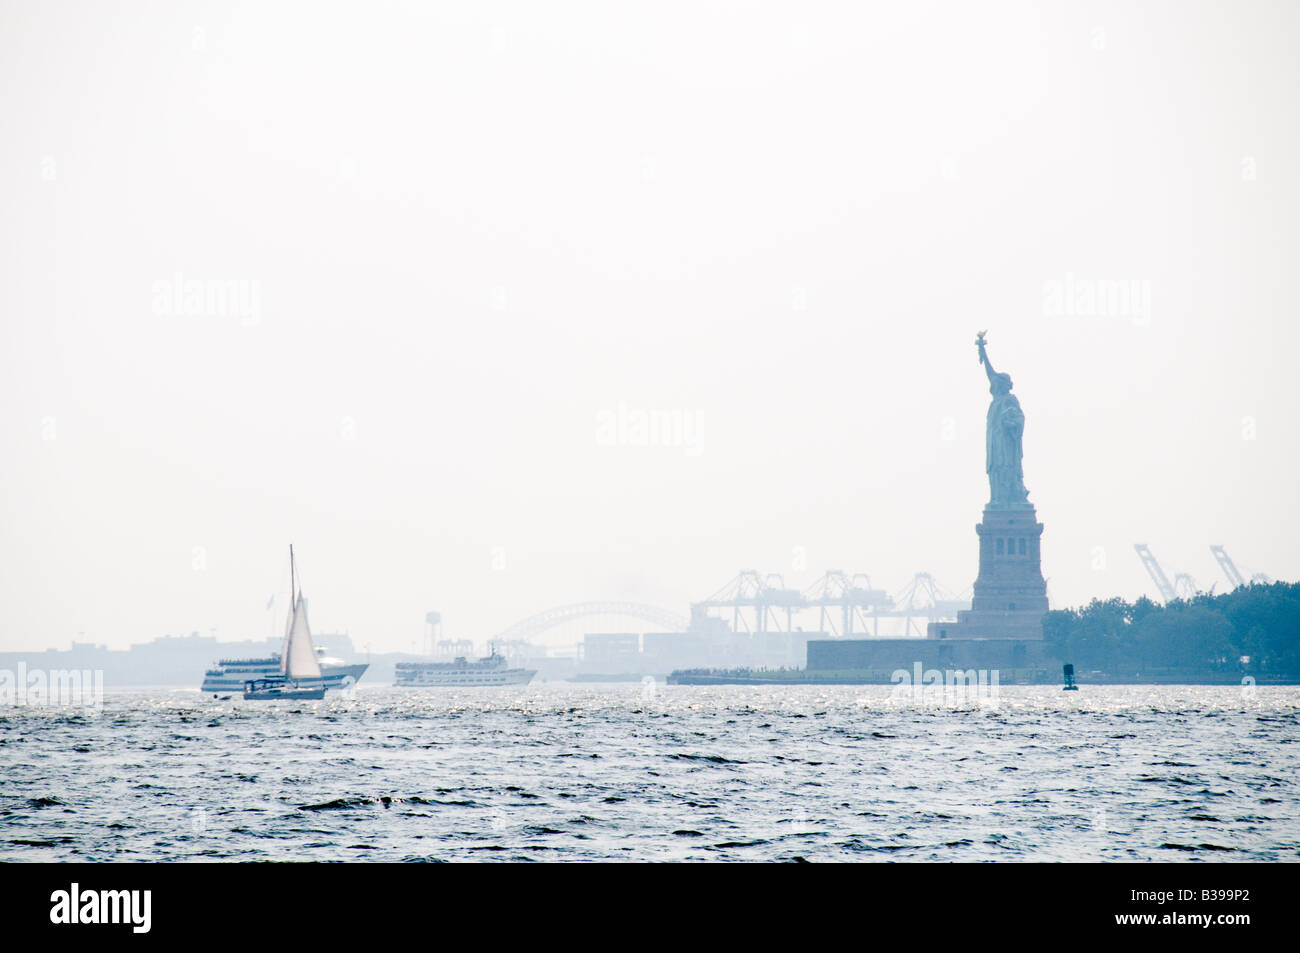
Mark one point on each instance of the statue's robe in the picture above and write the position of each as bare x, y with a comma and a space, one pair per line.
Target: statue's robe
1004, 449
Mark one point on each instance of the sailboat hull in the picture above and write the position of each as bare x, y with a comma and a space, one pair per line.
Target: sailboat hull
275, 689
285, 694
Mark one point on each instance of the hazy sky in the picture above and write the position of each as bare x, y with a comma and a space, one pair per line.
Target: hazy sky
472, 243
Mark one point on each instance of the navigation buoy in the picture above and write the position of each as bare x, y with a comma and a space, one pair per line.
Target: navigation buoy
1069, 679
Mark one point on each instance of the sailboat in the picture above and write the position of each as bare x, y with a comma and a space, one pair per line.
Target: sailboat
300, 674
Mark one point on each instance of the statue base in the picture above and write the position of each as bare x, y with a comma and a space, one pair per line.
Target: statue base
1010, 594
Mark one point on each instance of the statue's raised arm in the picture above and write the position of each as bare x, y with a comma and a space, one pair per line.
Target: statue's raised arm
984, 355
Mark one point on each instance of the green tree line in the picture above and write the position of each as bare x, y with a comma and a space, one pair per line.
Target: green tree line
1252, 629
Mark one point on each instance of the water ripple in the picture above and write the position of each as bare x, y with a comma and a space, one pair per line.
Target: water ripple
561, 772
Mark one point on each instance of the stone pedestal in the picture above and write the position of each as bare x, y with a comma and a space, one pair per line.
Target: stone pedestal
1010, 593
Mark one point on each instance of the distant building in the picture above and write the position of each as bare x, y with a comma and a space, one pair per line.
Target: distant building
666, 651
614, 653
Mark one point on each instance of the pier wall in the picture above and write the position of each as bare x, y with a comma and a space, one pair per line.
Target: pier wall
850, 654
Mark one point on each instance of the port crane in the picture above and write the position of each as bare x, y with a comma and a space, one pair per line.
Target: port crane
1183, 586
924, 598
1163, 585
1230, 568
766, 595
762, 603
859, 603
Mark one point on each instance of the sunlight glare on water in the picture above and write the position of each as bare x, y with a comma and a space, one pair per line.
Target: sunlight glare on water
655, 772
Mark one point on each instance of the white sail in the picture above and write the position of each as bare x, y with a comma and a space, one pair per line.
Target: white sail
299, 657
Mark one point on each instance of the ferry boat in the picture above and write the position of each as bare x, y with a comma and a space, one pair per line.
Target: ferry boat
491, 670
230, 675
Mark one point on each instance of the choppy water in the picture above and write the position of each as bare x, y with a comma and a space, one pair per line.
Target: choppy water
566, 772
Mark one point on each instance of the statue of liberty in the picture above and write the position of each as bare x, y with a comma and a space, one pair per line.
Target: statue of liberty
1004, 438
